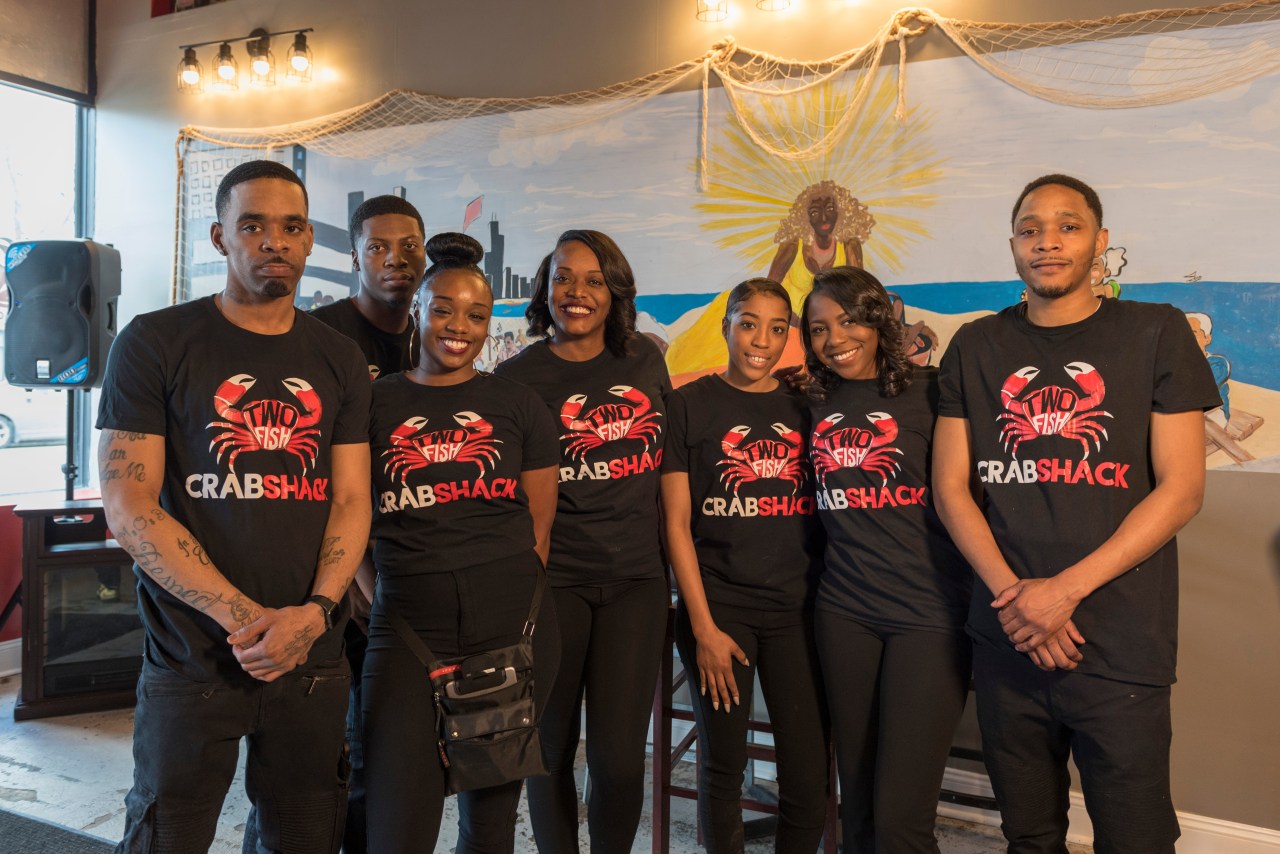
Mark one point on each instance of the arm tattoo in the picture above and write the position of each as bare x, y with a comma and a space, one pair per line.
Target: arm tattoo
330, 555
202, 600
145, 555
241, 612
194, 551
114, 463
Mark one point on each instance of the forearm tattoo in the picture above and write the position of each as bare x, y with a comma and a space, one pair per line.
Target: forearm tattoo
329, 555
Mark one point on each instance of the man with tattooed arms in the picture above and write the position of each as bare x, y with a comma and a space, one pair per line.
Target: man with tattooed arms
234, 463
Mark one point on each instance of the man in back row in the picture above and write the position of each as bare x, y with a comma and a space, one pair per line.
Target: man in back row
234, 463
1082, 420
389, 257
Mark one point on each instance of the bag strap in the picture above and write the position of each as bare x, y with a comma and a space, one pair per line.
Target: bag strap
424, 654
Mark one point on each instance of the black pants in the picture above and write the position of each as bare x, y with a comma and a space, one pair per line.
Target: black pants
353, 838
1118, 733
611, 638
779, 645
186, 744
455, 613
895, 696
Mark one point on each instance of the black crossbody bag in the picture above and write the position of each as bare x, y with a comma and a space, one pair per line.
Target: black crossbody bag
484, 704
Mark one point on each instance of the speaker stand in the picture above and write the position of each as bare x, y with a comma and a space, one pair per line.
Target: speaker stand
71, 468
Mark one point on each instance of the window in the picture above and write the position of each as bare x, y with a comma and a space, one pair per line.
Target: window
42, 197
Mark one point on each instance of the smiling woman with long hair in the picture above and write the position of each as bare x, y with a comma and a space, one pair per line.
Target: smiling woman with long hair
464, 476
606, 384
894, 594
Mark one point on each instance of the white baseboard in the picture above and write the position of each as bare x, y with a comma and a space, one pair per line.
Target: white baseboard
10, 657
1200, 834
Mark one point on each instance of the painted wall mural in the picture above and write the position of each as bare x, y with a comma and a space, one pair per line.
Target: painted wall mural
1191, 193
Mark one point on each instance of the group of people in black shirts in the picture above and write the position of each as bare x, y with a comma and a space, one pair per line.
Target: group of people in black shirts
823, 530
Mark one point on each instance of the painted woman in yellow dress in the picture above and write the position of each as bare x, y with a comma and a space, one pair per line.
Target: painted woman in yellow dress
826, 227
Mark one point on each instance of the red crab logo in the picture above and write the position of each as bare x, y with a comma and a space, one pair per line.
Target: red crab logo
266, 425
1053, 410
608, 422
414, 447
763, 458
853, 447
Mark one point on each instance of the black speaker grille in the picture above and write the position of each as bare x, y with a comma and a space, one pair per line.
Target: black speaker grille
61, 316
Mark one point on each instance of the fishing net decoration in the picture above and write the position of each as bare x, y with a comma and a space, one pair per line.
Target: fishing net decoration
1132, 60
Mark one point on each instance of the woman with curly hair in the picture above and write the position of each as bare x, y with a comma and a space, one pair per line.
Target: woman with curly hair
606, 386
894, 594
825, 228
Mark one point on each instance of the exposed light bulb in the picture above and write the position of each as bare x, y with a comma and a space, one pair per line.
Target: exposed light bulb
190, 76
299, 61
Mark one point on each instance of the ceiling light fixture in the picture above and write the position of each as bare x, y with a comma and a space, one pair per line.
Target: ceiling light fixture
225, 74
190, 74
262, 63
713, 10
300, 63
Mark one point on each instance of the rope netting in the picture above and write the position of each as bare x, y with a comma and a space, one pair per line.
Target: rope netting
1133, 60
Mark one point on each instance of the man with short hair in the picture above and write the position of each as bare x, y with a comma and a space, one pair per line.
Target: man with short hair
1081, 418
234, 463
388, 254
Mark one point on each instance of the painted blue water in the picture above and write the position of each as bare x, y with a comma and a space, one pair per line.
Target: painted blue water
665, 308
1246, 315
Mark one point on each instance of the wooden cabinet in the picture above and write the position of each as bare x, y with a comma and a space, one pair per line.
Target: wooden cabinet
81, 634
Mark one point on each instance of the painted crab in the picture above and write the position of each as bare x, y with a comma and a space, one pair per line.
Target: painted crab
763, 458
608, 422
855, 447
415, 447
266, 425
1053, 410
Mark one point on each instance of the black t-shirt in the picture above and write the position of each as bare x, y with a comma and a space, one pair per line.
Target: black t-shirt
610, 412
446, 471
1059, 419
385, 352
889, 559
759, 544
248, 421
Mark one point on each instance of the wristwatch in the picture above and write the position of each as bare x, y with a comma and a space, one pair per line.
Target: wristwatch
327, 605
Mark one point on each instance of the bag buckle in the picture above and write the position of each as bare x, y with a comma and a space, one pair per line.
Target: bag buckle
455, 691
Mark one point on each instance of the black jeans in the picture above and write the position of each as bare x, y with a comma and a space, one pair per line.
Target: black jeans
455, 613
611, 637
353, 838
186, 744
1118, 733
779, 645
895, 696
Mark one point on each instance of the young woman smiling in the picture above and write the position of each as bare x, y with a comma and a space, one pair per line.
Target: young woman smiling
893, 597
606, 385
465, 486
746, 547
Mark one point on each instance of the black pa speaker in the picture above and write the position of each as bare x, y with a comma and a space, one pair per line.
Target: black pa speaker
62, 312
